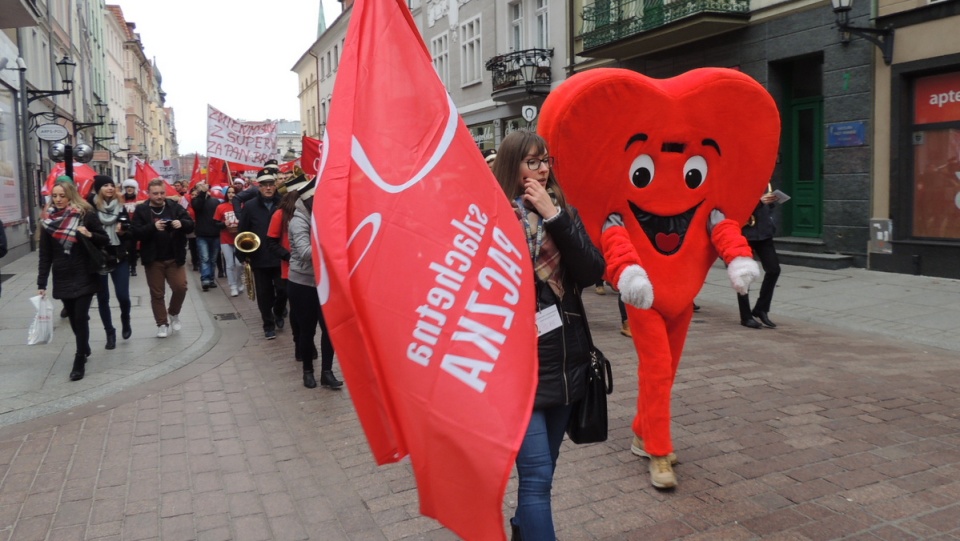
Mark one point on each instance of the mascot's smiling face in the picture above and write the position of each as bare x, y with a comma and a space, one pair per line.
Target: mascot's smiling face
663, 154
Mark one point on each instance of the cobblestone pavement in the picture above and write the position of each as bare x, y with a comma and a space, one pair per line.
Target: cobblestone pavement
803, 432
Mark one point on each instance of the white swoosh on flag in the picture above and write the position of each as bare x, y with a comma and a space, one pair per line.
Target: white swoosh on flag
374, 220
360, 157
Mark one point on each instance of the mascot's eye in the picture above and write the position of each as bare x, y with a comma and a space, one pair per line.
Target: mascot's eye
641, 171
695, 171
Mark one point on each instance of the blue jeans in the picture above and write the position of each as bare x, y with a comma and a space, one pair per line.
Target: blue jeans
209, 248
536, 463
121, 288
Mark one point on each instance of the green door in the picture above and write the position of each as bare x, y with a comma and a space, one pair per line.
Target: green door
803, 215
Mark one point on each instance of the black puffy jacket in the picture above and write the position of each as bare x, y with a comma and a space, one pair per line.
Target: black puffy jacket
564, 353
764, 227
73, 273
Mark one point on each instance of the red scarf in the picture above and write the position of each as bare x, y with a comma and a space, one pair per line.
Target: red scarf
62, 224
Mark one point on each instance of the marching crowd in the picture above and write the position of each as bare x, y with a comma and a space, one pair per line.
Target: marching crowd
256, 236
88, 243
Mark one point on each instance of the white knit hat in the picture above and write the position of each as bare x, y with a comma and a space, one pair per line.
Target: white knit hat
129, 183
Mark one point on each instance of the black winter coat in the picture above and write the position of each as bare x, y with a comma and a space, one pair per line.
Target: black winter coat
564, 353
764, 228
145, 231
204, 206
73, 273
255, 217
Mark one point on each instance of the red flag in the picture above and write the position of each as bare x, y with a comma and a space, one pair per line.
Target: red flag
218, 174
310, 158
443, 368
195, 176
287, 167
82, 176
144, 174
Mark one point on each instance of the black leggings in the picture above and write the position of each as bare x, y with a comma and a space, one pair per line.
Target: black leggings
78, 311
305, 310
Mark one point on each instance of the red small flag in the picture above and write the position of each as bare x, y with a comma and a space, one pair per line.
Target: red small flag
144, 174
218, 174
311, 156
195, 177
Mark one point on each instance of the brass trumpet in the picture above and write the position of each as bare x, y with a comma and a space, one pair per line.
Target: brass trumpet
248, 242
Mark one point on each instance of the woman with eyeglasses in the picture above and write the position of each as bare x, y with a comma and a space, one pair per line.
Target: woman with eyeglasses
61, 249
564, 262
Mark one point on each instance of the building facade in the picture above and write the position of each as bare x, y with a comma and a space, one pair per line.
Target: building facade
71, 66
916, 196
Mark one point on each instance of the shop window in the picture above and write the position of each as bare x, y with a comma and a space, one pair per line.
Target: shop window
936, 157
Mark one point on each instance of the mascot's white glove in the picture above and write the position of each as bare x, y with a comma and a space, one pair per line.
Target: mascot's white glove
742, 271
635, 287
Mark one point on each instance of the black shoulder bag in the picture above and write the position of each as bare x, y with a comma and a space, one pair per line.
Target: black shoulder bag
101, 260
588, 421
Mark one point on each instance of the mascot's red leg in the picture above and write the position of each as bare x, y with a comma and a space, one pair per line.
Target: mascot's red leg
659, 344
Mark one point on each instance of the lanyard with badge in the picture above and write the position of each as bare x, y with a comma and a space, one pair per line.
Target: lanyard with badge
548, 318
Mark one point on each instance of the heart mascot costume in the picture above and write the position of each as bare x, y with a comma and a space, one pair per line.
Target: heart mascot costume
665, 172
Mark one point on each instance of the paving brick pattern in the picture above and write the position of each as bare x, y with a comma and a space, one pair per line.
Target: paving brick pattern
802, 433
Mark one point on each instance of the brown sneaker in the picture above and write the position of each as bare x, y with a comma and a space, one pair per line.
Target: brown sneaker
661, 472
625, 330
601, 291
637, 448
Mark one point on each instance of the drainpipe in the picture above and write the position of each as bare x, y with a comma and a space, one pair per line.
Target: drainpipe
316, 65
571, 39
25, 175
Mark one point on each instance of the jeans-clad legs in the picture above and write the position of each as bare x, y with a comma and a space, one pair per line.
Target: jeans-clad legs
536, 463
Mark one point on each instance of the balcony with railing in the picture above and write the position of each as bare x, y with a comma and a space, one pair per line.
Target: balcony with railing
625, 28
519, 74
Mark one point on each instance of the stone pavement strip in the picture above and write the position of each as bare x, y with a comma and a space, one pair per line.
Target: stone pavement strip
803, 432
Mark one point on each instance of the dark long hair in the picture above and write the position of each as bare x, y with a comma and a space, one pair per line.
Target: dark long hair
513, 149
288, 204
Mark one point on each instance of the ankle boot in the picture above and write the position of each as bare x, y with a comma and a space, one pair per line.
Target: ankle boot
308, 380
127, 331
112, 339
514, 531
79, 360
327, 379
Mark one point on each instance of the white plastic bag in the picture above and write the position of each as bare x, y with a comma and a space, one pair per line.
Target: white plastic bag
41, 330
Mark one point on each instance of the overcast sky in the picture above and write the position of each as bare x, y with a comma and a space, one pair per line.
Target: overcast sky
236, 56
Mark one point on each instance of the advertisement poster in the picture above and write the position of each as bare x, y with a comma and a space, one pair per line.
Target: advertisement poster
9, 172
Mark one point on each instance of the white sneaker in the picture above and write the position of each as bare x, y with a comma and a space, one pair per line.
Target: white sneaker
233, 291
162, 331
175, 323
240, 287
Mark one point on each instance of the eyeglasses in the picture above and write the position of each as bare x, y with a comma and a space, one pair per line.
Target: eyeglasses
535, 164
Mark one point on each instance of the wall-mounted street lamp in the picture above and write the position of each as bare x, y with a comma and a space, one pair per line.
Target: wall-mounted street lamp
101, 112
113, 135
881, 37
66, 67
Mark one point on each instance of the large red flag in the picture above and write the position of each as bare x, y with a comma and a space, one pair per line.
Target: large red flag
195, 177
424, 276
310, 157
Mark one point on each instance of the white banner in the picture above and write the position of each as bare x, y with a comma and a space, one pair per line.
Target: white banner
249, 143
168, 168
